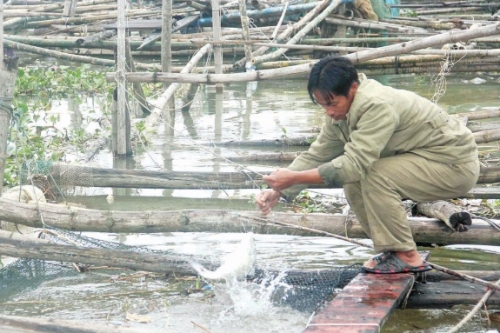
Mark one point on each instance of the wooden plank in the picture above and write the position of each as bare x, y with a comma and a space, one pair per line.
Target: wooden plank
364, 304
445, 294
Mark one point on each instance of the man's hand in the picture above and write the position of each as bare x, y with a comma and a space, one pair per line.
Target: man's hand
284, 178
281, 179
267, 199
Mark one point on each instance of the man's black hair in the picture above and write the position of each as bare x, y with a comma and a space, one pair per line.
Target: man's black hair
333, 74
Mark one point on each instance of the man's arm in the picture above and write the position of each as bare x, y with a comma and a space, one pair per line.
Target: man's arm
326, 147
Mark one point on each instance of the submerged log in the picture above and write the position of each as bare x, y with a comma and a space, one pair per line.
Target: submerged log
22, 246
425, 231
14, 324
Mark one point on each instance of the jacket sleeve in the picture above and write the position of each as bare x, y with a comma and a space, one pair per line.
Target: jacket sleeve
326, 147
375, 126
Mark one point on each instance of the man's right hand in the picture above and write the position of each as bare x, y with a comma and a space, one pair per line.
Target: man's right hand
267, 199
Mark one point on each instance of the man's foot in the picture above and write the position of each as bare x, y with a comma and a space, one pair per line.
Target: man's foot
391, 263
411, 258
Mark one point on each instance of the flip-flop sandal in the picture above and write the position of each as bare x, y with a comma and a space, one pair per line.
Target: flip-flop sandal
389, 263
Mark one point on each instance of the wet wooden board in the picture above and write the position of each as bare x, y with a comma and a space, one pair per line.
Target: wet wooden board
445, 294
364, 304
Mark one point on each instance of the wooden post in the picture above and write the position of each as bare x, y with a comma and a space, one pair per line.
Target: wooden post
8, 81
216, 26
1, 35
69, 8
246, 35
114, 121
166, 47
122, 144
166, 35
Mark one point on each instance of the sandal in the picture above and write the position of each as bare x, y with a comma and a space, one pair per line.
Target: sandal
389, 263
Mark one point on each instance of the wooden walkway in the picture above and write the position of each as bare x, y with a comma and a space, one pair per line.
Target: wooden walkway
364, 304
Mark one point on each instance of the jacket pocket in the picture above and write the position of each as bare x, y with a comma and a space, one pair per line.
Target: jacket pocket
439, 120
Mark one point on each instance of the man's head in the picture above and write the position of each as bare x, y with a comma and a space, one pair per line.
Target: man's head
333, 82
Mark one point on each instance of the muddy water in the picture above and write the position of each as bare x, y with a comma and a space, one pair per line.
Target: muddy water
267, 110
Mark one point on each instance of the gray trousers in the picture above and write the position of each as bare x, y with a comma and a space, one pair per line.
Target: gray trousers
377, 199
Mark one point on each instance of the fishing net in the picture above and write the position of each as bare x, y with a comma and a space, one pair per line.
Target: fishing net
302, 290
306, 291
55, 180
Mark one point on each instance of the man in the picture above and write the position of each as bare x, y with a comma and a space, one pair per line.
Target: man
381, 145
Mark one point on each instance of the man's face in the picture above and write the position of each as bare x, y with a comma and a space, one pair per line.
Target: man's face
336, 106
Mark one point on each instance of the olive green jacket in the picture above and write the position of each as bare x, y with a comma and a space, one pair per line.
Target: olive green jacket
381, 122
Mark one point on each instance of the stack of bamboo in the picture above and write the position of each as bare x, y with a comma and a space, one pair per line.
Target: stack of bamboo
299, 31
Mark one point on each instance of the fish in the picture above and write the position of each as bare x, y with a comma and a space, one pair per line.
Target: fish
235, 265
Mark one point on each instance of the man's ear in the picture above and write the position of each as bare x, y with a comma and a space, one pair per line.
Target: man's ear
353, 89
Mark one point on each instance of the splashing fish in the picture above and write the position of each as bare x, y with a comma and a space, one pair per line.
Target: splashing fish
235, 265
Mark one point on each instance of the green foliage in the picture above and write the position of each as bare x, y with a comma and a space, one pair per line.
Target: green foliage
47, 142
52, 82
142, 134
304, 203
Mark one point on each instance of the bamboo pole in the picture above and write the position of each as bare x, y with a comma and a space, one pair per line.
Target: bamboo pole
245, 22
216, 27
166, 36
103, 177
375, 25
81, 20
11, 24
302, 70
424, 230
1, 47
278, 25
20, 14
487, 136
161, 102
475, 309
95, 8
138, 91
481, 114
452, 215
69, 8
299, 35
69, 42
288, 31
453, 10
121, 81
59, 55
268, 12
438, 25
